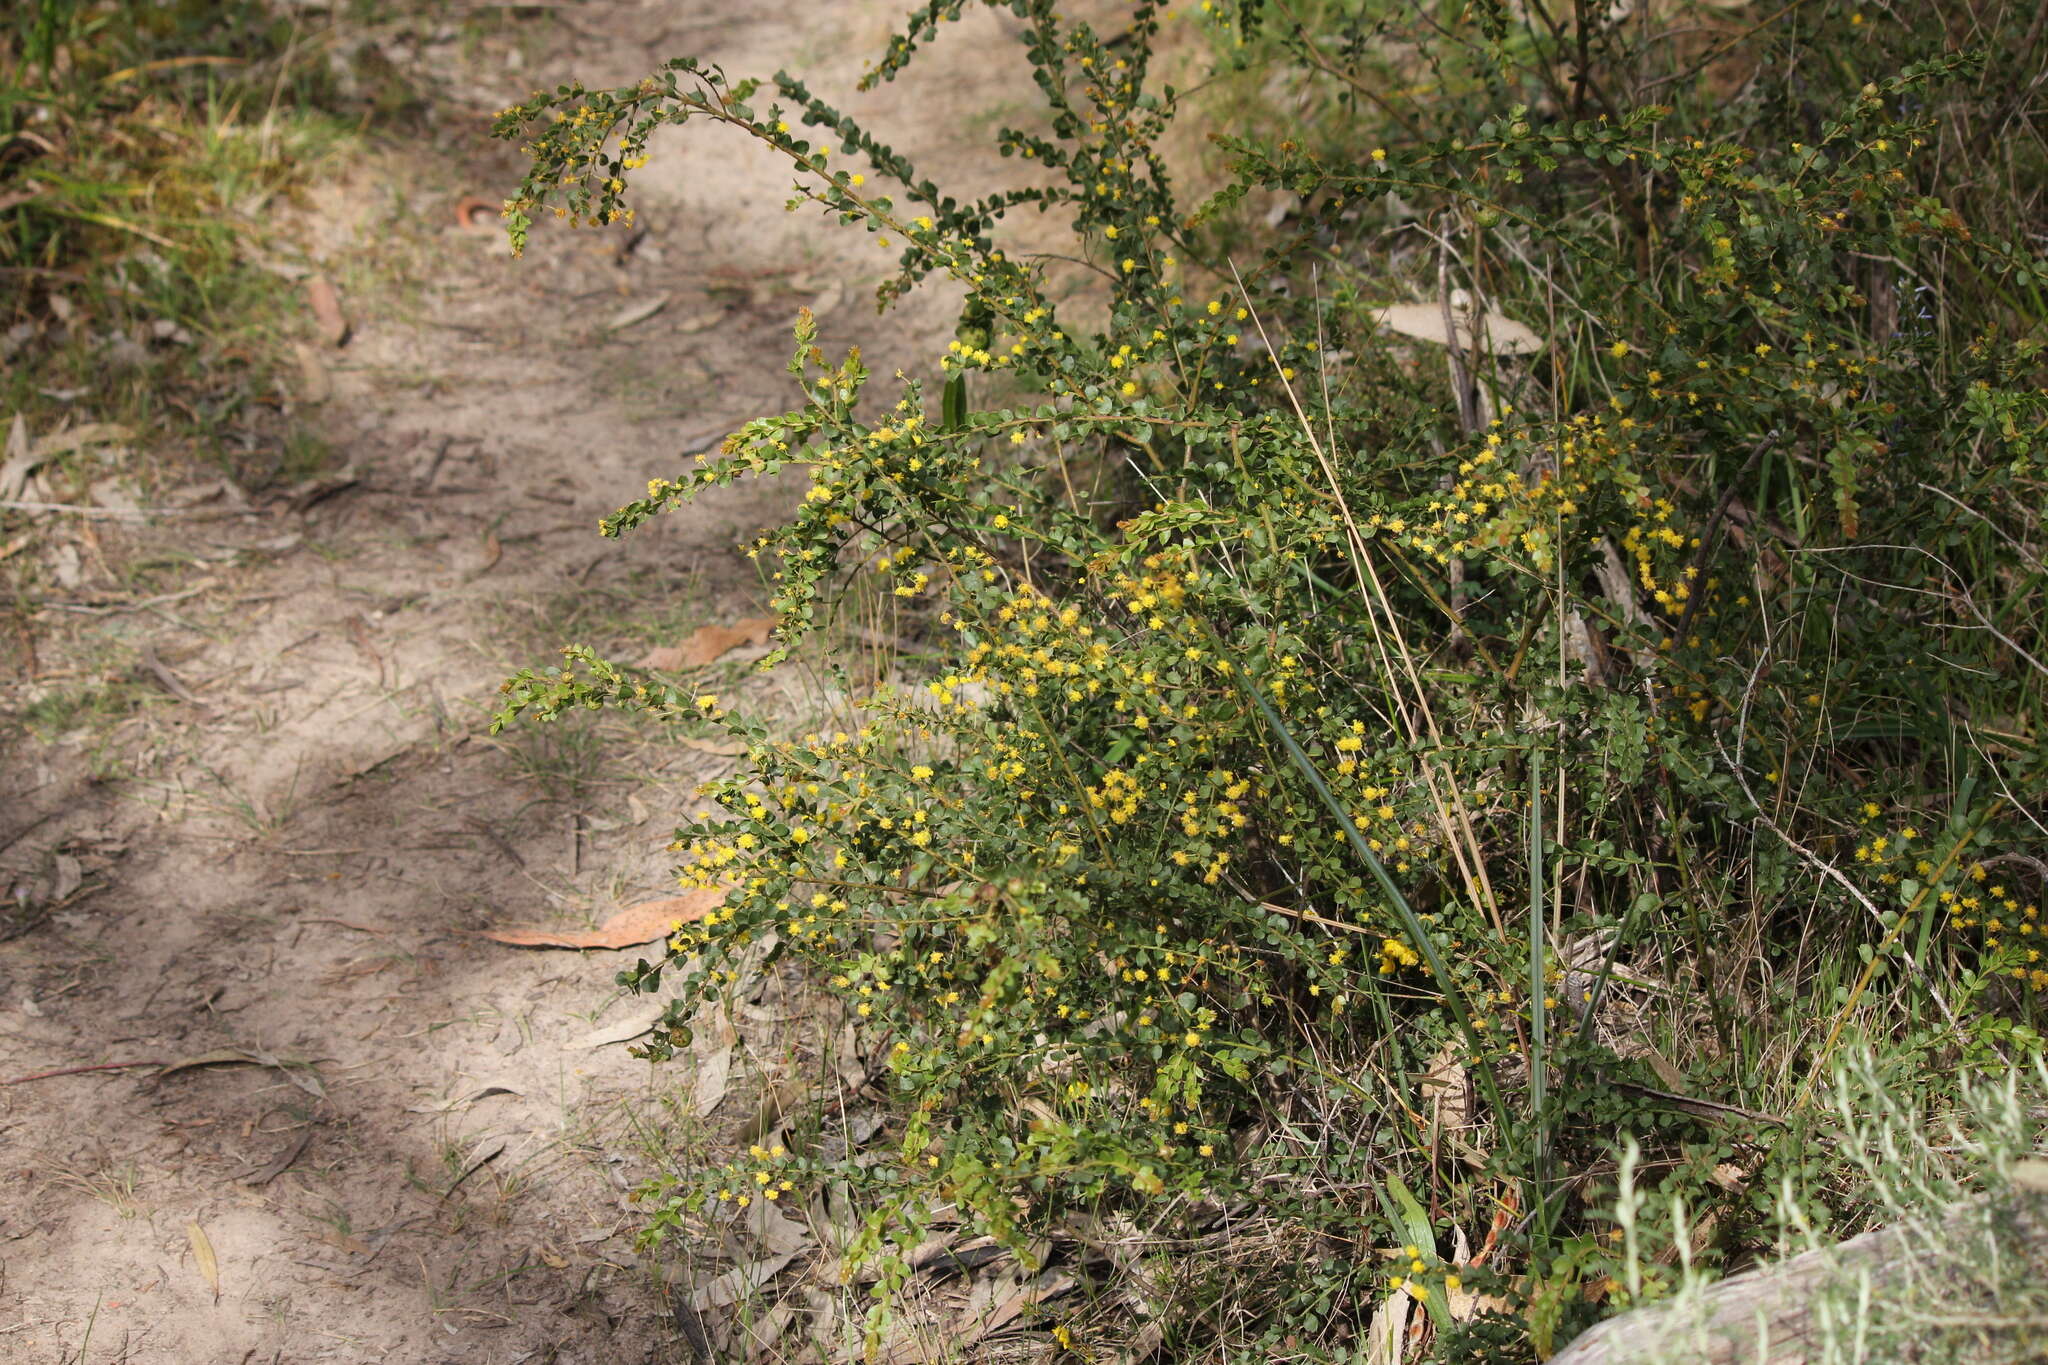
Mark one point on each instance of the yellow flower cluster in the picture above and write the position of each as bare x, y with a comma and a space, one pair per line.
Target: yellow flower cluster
757, 1177
1530, 491
2006, 921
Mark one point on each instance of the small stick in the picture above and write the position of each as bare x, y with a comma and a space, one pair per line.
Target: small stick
169, 679
76, 1070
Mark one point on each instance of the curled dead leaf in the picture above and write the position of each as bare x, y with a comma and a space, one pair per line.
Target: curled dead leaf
1497, 333
735, 1284
474, 214
1453, 1102
775, 1230
203, 1256
712, 1053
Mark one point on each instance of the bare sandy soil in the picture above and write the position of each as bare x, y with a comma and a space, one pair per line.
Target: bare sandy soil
281, 846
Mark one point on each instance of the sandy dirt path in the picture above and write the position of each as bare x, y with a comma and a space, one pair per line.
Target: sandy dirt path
283, 848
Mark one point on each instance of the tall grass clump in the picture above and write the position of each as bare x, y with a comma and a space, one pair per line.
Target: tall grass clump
1526, 644
145, 151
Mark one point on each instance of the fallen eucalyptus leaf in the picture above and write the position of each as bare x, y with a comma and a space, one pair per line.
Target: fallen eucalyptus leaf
326, 305
298, 1072
630, 928
707, 643
203, 1256
636, 313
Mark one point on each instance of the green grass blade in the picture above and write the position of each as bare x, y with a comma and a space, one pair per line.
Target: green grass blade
1538, 1015
1411, 924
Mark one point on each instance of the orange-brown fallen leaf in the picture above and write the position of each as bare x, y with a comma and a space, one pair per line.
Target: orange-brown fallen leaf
707, 643
630, 928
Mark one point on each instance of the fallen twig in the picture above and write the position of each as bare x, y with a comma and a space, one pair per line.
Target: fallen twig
163, 674
77, 1070
282, 1164
114, 608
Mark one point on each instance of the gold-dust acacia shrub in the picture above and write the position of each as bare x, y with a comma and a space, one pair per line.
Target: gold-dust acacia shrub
1301, 703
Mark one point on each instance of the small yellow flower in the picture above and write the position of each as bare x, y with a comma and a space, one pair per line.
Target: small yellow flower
1618, 349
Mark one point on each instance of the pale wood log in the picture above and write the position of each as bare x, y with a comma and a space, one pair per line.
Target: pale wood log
1964, 1273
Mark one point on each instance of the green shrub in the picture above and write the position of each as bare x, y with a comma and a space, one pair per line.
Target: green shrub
1328, 730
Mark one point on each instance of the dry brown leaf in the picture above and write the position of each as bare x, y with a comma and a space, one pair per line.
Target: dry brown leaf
23, 455
760, 1336
1461, 1303
298, 1072
636, 313
707, 643
317, 385
622, 1030
1498, 334
1048, 1284
776, 1102
642, 923
713, 1055
21, 460
494, 550
79, 437
202, 1254
737, 1283
1388, 1332
341, 1241
775, 1230
1453, 1106
326, 305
